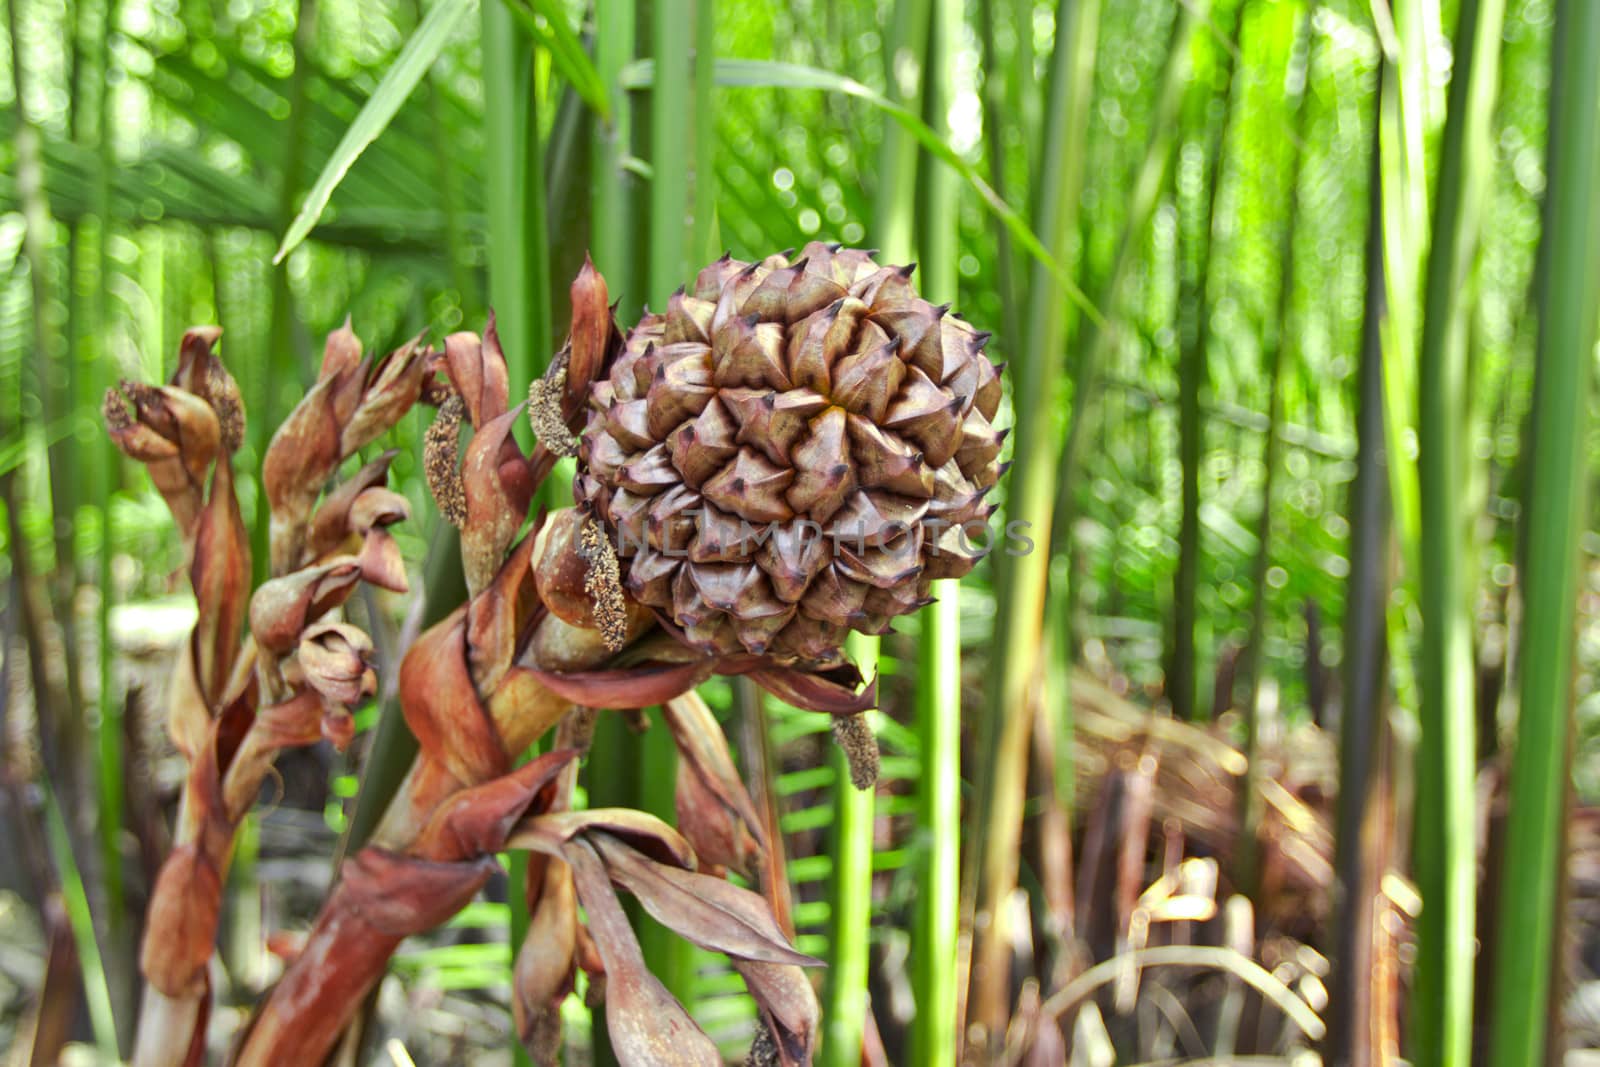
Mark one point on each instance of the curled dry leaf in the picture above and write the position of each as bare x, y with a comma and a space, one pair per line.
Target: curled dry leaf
547, 961
335, 659
477, 368
482, 818
590, 340
551, 832
493, 512
202, 373
442, 707
350, 405
646, 1024
393, 387
709, 911
715, 811
283, 607
788, 1007
332, 524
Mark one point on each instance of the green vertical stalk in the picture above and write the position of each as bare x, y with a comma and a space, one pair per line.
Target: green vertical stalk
1272, 450
1445, 843
845, 1004
519, 290
283, 359
682, 184
1402, 124
894, 223
612, 237
673, 127
996, 88
1554, 504
1194, 338
1001, 767
935, 1030
96, 992
1362, 718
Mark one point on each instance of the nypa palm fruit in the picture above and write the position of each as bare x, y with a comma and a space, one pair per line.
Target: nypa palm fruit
792, 451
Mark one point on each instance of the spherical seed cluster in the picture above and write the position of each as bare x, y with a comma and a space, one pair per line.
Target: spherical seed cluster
790, 453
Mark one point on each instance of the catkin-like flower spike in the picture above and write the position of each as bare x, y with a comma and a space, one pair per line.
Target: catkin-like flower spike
603, 582
546, 396
855, 738
715, 810
439, 448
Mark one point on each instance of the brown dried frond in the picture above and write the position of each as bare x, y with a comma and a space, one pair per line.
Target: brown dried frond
855, 737
439, 447
603, 582
545, 397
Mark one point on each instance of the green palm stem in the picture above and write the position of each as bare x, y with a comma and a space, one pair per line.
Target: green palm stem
519, 289
612, 239
935, 1030
1195, 301
1445, 850
894, 222
682, 185
1038, 490
1403, 123
1554, 504
109, 756
846, 1005
1092, 344
1000, 151
1272, 449
66, 718
844, 992
287, 357
1362, 718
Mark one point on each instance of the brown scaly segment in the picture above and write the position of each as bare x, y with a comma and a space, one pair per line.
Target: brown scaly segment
788, 453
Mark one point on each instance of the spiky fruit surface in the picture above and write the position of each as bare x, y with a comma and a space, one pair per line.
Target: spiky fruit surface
790, 452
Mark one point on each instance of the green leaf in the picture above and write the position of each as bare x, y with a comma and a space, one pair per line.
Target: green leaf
409, 68
765, 74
